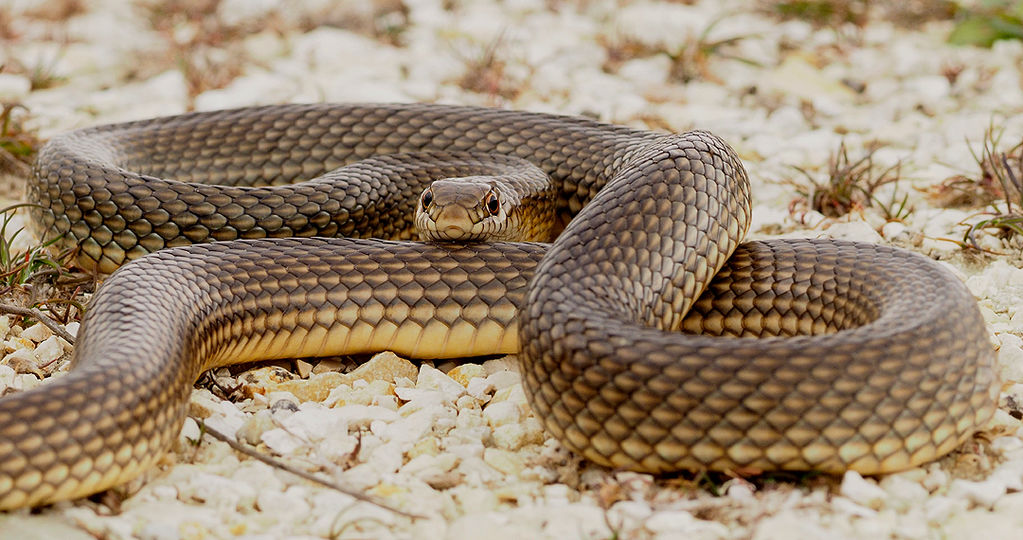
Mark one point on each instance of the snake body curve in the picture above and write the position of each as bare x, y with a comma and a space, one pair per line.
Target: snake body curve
895, 369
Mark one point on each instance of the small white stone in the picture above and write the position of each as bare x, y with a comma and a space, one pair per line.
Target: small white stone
510, 436
984, 493
501, 413
936, 479
671, 521
789, 524
1010, 358
503, 379
49, 350
7, 377
434, 379
37, 333
741, 491
14, 88
479, 388
286, 506
190, 432
938, 509
71, 328
862, 491
904, 490
504, 363
26, 356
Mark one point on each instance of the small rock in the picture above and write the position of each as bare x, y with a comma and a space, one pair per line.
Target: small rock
939, 509
507, 462
502, 412
741, 490
282, 402
936, 479
504, 363
789, 524
254, 427
303, 368
905, 491
385, 366
464, 373
434, 379
49, 351
287, 505
37, 333
23, 361
984, 493
325, 365
861, 491
513, 436
427, 446
479, 388
190, 433
7, 377
503, 379
263, 380
13, 87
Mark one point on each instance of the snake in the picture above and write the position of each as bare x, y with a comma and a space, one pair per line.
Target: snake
650, 335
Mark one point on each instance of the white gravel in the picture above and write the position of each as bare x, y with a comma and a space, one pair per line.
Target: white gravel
460, 445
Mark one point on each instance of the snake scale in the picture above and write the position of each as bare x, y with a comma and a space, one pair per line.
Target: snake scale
651, 338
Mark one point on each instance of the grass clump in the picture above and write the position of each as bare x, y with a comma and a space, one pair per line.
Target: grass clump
821, 12
851, 185
690, 60
833, 13
18, 145
1001, 181
990, 21
33, 280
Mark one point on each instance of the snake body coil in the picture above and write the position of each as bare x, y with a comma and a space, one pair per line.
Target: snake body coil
889, 366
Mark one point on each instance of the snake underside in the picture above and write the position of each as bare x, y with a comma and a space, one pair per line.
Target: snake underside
651, 338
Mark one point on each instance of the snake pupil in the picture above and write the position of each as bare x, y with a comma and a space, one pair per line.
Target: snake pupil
493, 205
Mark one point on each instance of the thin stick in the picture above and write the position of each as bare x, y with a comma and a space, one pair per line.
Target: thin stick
298, 472
38, 315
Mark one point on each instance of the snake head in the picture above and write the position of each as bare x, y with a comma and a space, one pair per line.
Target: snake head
465, 209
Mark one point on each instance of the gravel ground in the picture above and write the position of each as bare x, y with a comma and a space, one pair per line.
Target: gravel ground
457, 443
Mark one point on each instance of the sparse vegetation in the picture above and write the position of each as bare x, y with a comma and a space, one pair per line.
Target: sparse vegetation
1000, 184
822, 12
831, 13
33, 280
689, 61
200, 44
851, 185
485, 72
988, 22
18, 145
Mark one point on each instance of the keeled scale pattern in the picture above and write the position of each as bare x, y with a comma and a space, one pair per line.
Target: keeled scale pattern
604, 367
610, 376
125, 190
160, 321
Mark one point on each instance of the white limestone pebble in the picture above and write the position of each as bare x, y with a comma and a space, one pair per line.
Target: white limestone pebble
37, 333
14, 88
49, 350
862, 491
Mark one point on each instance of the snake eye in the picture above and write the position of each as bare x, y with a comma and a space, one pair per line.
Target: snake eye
492, 203
427, 198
